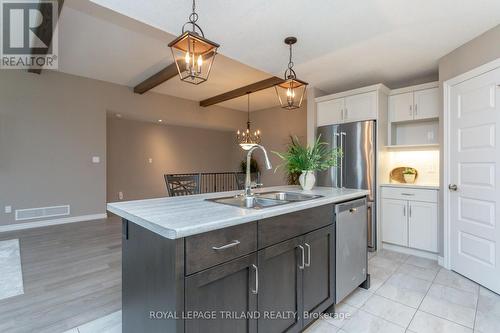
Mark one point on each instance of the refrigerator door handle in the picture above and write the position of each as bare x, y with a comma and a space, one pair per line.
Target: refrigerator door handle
342, 134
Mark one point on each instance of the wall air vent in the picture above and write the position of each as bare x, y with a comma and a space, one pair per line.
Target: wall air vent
42, 212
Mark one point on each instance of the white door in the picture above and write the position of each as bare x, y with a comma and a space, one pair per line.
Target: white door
394, 221
401, 107
426, 104
422, 225
475, 170
330, 112
361, 107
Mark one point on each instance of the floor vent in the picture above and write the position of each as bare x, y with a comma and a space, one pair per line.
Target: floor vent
36, 213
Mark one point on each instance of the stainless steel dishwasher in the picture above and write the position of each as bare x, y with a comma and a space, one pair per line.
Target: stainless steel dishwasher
351, 252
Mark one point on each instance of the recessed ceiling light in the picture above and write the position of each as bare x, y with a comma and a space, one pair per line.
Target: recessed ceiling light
118, 115
159, 120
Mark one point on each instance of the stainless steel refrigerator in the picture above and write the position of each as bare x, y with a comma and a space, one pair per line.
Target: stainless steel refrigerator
356, 169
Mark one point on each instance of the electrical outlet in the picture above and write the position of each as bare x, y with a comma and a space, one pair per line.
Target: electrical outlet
150, 160
120, 195
8, 209
96, 159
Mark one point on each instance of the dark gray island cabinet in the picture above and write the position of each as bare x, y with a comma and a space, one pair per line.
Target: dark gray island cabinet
270, 275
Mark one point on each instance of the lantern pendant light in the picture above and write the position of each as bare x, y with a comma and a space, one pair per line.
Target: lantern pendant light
193, 53
246, 138
291, 92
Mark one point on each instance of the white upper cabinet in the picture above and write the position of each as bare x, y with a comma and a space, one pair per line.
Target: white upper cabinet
414, 105
330, 112
349, 106
426, 104
401, 107
361, 107
414, 116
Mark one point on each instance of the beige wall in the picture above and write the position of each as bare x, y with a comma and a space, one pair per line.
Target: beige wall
276, 125
52, 124
173, 149
475, 53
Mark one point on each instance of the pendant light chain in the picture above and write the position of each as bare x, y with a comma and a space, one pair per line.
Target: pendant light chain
193, 17
290, 62
248, 111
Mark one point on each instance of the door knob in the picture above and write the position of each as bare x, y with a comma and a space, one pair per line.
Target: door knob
453, 187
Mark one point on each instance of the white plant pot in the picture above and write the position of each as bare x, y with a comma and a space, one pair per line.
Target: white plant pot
409, 178
307, 179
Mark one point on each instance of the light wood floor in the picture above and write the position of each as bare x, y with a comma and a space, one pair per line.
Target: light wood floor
72, 275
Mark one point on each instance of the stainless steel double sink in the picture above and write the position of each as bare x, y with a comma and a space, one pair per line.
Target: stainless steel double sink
265, 199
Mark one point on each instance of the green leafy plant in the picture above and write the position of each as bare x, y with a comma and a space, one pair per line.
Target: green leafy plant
254, 166
409, 171
298, 158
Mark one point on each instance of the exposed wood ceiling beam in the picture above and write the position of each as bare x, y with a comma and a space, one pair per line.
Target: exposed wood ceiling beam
165, 74
251, 88
44, 33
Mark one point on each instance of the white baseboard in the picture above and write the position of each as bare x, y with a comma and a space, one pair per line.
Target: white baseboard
414, 252
441, 261
45, 223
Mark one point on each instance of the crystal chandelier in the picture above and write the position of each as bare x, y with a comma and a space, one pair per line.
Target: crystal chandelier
246, 138
193, 53
291, 91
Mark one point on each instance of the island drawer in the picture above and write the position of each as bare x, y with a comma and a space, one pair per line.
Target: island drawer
218, 246
282, 227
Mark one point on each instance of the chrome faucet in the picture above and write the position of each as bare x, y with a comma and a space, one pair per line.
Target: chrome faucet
248, 181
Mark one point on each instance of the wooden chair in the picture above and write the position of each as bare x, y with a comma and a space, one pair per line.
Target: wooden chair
178, 185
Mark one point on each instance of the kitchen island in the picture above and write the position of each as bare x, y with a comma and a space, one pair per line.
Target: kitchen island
194, 265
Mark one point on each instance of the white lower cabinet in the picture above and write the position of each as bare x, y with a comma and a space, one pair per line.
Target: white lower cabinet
395, 226
422, 225
407, 221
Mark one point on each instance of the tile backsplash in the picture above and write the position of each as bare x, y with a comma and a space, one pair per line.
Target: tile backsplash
425, 161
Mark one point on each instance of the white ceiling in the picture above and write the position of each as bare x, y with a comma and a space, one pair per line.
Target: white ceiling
342, 44
101, 44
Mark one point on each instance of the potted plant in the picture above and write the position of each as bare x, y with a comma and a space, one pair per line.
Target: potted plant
409, 175
306, 160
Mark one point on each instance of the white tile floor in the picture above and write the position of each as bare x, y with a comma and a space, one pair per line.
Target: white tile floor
414, 295
407, 295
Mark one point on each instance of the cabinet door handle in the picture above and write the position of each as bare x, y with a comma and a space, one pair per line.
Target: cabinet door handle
409, 212
303, 259
256, 290
227, 246
308, 255
345, 115
416, 108
409, 112
408, 194
404, 210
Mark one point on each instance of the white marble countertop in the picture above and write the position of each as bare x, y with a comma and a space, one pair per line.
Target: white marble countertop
177, 217
421, 186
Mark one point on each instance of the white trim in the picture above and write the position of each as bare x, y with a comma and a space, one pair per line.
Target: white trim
408, 250
441, 261
375, 87
423, 86
447, 85
45, 223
